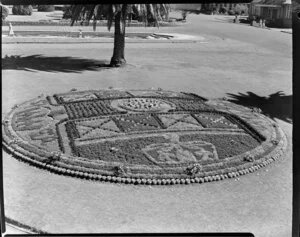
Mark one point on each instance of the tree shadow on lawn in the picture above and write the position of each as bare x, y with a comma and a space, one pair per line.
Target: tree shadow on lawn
276, 105
52, 64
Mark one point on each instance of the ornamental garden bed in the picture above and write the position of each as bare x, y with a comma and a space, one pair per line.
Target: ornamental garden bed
141, 136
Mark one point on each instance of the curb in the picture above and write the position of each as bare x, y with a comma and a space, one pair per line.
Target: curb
53, 36
283, 31
70, 40
23, 227
60, 41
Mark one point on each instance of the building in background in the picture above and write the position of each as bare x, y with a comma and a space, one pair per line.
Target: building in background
276, 13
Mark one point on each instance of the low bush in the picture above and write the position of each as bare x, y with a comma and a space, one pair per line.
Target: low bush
223, 10
184, 15
46, 8
241, 9
231, 12
4, 11
22, 10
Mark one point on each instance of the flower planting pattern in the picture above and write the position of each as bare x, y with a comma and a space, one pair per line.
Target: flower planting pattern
88, 109
143, 105
141, 136
97, 128
160, 93
179, 121
190, 105
73, 97
112, 94
210, 120
180, 152
44, 135
137, 122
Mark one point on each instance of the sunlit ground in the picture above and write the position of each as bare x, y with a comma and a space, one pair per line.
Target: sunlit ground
246, 64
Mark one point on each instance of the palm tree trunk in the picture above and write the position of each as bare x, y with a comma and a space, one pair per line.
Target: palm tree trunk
118, 59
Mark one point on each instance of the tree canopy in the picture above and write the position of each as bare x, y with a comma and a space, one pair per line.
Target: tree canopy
118, 14
86, 13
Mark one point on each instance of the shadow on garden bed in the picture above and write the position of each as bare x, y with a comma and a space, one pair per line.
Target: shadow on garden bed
276, 105
52, 64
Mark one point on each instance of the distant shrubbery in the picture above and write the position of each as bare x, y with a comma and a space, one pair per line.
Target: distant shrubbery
240, 9
231, 12
22, 10
296, 6
46, 8
237, 10
67, 10
223, 10
4, 11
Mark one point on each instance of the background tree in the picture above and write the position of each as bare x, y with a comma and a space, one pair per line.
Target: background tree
296, 5
22, 10
119, 14
4, 12
46, 8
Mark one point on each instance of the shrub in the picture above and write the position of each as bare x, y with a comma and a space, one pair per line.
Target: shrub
223, 10
67, 10
46, 8
4, 11
240, 9
22, 10
231, 12
184, 14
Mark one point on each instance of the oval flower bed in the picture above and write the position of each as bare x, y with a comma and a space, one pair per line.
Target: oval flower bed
141, 136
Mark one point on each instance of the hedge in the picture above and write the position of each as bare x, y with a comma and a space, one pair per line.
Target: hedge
22, 10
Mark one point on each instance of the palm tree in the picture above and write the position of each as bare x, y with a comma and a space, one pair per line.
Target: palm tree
118, 13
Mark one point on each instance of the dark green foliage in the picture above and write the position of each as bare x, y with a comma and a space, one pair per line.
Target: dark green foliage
240, 9
138, 122
46, 8
248, 128
22, 10
213, 120
148, 13
72, 134
128, 151
137, 160
223, 10
88, 109
60, 139
44, 135
71, 130
56, 112
67, 12
296, 6
231, 12
28, 119
58, 99
4, 12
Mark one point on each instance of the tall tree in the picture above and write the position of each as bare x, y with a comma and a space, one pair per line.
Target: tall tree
118, 14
